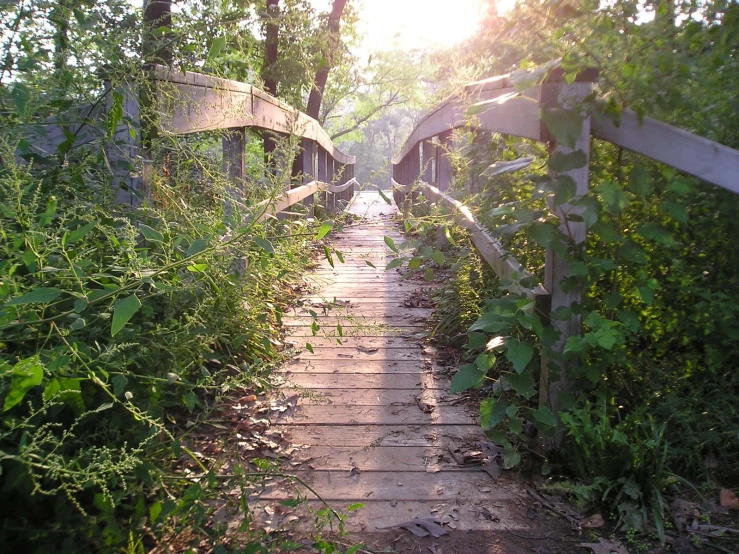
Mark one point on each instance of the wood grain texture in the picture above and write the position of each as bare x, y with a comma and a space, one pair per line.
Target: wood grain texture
374, 419
706, 159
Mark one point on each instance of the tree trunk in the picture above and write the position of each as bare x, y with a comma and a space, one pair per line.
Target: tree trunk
272, 35
157, 48
319, 85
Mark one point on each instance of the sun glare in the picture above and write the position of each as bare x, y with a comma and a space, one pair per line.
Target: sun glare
406, 24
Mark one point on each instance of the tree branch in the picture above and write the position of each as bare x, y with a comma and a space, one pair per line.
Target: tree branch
391, 101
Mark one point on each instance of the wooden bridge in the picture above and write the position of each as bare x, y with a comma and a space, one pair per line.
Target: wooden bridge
373, 421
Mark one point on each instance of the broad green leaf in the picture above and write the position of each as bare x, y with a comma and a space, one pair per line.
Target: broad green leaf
216, 47
264, 244
438, 257
327, 254
492, 412
199, 245
468, 377
511, 457
78, 234
657, 233
151, 234
119, 383
123, 311
391, 244
414, 263
614, 197
565, 189
397, 262
384, 196
355, 507
523, 384
309, 347
429, 275
41, 295
154, 511
26, 374
545, 416
519, 353
80, 305
565, 124
490, 323
677, 211
369, 263
560, 161
633, 252
115, 115
324, 229
574, 343
20, 95
485, 361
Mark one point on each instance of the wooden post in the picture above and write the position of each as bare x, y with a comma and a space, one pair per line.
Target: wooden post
323, 175
444, 174
125, 150
554, 378
304, 165
233, 144
427, 156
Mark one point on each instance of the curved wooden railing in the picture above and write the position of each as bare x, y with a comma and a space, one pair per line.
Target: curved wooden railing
423, 166
187, 102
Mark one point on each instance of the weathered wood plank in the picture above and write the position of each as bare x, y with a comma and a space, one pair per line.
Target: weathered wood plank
363, 342
706, 159
382, 435
429, 459
386, 397
392, 485
364, 415
340, 355
349, 365
364, 381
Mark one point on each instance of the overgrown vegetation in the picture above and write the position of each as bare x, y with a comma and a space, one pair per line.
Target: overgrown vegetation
122, 327
652, 391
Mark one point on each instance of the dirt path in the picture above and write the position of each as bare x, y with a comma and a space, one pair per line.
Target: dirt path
374, 422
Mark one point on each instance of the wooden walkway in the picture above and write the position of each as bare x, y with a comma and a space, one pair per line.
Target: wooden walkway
375, 421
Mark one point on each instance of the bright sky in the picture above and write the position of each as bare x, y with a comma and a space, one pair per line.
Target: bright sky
407, 24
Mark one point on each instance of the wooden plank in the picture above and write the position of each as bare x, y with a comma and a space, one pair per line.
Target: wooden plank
391, 485
348, 366
362, 436
698, 156
352, 320
388, 397
422, 459
387, 309
366, 381
339, 355
364, 342
383, 515
387, 415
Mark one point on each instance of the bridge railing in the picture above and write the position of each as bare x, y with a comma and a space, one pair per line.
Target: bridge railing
187, 102
423, 166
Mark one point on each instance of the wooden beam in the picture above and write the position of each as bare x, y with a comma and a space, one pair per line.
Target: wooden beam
191, 102
698, 156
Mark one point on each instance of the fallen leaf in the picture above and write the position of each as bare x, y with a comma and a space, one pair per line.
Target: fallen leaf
729, 500
354, 471
593, 522
604, 546
366, 350
421, 527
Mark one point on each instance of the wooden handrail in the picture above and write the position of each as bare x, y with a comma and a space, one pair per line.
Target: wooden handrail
698, 156
205, 103
505, 266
